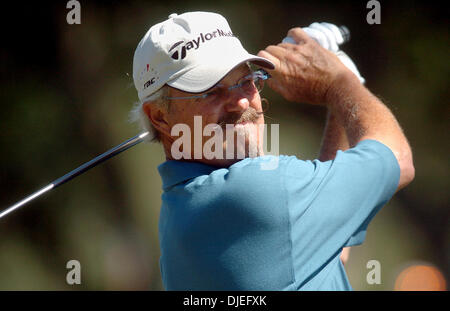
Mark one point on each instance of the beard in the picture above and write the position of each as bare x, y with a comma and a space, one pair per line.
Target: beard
246, 141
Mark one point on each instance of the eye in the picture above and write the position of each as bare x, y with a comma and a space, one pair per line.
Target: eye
212, 94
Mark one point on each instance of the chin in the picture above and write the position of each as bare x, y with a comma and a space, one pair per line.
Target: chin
252, 143
246, 142
238, 154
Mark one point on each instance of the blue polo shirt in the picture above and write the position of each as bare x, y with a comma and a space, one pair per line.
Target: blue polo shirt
277, 226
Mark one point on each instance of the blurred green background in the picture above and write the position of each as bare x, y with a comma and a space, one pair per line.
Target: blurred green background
65, 95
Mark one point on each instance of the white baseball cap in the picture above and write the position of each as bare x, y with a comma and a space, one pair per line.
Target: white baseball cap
191, 52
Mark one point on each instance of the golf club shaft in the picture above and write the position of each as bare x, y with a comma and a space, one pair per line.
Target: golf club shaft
79, 170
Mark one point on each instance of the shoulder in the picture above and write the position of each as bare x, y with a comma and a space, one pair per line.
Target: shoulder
267, 175
259, 177
368, 149
267, 164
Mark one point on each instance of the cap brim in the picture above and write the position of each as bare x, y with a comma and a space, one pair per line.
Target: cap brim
205, 75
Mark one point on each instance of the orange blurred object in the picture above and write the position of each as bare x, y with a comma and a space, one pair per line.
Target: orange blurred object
420, 278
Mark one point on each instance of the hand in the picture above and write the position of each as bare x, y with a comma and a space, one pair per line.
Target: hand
304, 72
330, 37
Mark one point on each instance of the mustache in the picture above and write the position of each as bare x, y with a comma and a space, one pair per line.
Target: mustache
249, 115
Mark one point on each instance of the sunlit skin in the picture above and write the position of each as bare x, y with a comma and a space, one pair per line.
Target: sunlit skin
230, 108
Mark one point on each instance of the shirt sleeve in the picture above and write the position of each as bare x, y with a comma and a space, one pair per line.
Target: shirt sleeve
331, 203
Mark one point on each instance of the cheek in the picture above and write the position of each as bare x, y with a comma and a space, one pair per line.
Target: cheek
211, 117
185, 115
210, 114
180, 114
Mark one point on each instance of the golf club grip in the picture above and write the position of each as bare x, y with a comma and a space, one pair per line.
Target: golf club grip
344, 31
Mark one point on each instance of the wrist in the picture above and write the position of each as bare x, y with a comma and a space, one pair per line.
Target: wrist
345, 84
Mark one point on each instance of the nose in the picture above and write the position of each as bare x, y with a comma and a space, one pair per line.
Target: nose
237, 102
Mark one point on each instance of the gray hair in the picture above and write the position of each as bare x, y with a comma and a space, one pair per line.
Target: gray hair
137, 114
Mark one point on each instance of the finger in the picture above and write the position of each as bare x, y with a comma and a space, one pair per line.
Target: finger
299, 35
272, 83
265, 54
276, 85
280, 50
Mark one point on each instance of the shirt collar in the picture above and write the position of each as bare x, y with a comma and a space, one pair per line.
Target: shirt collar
174, 172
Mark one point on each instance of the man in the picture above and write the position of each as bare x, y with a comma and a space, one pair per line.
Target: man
228, 223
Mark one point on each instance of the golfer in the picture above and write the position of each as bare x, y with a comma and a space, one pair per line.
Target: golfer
234, 223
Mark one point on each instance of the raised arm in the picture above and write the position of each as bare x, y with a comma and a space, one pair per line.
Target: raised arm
364, 116
306, 72
334, 138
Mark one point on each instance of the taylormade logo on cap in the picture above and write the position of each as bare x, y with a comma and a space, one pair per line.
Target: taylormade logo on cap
190, 52
180, 52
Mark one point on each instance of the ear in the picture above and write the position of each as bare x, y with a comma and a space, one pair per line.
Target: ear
158, 117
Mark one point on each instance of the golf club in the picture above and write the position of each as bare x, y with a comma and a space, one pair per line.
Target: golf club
122, 147
79, 170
